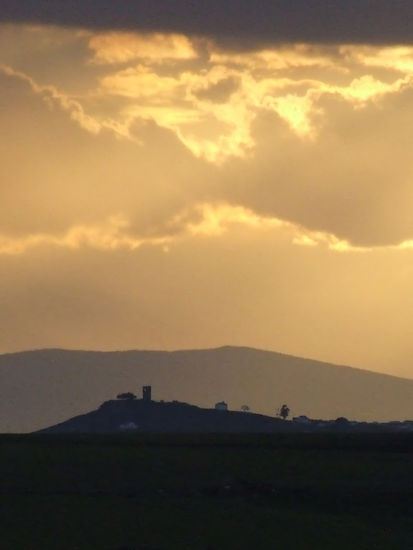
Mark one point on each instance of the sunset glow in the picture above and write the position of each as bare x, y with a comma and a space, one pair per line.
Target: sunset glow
166, 180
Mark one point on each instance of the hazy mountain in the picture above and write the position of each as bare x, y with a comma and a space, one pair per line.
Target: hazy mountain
44, 387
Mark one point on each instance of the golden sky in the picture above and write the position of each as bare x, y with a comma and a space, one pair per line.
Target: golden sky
164, 190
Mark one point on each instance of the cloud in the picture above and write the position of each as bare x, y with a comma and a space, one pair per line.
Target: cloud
281, 57
353, 180
217, 92
121, 47
201, 220
313, 137
234, 22
51, 95
57, 175
108, 236
398, 58
217, 219
224, 93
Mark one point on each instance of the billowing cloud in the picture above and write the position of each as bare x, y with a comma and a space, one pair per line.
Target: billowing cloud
302, 134
108, 236
53, 96
399, 58
121, 47
205, 220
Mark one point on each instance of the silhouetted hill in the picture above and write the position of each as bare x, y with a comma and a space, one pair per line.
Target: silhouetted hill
142, 416
41, 388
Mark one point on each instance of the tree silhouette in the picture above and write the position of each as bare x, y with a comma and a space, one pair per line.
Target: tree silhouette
245, 408
126, 395
284, 412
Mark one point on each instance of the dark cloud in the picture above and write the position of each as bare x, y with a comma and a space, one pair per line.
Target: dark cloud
240, 22
220, 92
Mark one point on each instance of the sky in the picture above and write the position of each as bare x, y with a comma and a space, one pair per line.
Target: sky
189, 175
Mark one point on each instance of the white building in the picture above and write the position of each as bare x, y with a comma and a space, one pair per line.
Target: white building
128, 426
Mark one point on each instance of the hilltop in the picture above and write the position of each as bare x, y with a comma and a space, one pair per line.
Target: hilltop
44, 387
137, 415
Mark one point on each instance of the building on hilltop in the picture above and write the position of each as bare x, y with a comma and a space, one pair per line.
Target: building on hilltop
147, 393
221, 406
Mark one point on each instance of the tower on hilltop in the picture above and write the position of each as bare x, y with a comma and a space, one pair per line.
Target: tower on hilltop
147, 393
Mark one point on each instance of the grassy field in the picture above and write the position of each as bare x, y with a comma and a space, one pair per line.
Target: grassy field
338, 491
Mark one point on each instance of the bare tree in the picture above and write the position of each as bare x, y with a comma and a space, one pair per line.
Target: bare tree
245, 408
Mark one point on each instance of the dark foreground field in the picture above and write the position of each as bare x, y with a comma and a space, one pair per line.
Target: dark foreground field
289, 491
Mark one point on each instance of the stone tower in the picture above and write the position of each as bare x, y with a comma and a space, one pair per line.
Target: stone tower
147, 393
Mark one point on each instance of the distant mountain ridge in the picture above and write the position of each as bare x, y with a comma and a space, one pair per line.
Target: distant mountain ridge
43, 387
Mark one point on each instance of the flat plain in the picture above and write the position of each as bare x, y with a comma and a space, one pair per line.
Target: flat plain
206, 492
